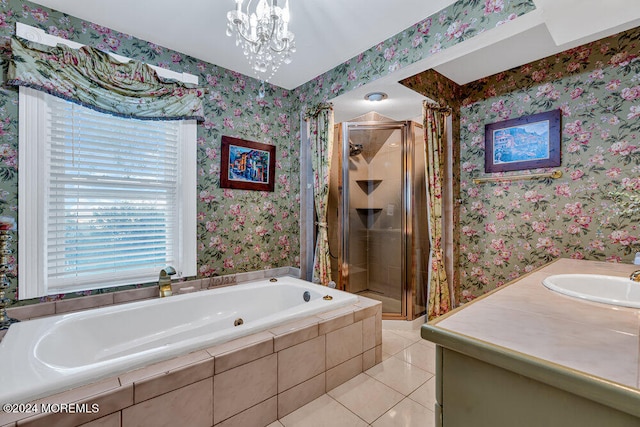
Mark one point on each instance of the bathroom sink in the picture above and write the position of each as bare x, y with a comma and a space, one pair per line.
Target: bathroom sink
593, 287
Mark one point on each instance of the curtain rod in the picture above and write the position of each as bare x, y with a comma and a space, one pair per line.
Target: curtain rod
554, 175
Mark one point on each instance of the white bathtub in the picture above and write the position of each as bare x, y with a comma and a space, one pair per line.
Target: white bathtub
44, 356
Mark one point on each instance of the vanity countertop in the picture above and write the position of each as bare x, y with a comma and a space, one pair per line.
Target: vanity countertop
574, 344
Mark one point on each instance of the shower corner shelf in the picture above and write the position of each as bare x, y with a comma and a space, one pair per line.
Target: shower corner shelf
367, 211
368, 185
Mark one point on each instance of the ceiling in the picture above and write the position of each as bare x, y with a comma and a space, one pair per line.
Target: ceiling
329, 32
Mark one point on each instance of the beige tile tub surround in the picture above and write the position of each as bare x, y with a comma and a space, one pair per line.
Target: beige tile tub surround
253, 380
370, 399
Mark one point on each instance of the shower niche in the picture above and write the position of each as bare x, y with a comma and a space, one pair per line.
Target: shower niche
377, 213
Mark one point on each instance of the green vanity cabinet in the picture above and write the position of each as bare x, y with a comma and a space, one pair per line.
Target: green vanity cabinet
500, 366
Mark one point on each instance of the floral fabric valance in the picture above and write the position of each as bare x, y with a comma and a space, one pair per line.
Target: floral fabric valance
94, 79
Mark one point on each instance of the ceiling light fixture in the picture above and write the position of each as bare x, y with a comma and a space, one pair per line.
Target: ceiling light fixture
263, 35
376, 96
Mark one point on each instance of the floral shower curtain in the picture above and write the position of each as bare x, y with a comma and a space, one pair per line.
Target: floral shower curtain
94, 79
320, 123
435, 141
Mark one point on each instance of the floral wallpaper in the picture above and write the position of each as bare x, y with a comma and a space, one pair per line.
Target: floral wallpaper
242, 230
447, 93
510, 228
237, 230
436, 87
454, 24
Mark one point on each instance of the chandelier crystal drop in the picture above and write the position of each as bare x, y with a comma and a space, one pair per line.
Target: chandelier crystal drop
263, 34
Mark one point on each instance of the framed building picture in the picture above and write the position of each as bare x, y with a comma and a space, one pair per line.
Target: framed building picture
528, 142
247, 165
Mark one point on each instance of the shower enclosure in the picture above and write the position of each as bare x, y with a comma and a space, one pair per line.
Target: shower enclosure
377, 213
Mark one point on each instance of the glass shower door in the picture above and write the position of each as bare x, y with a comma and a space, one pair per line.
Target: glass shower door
373, 209
418, 225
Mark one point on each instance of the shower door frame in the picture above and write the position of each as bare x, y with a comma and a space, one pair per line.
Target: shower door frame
407, 280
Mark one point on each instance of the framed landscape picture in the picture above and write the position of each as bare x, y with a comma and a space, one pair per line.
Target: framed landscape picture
528, 142
247, 165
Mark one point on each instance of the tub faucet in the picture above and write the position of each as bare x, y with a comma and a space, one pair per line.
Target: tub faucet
164, 282
635, 276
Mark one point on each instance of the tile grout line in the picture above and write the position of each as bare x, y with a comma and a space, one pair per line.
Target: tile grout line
385, 412
340, 403
404, 396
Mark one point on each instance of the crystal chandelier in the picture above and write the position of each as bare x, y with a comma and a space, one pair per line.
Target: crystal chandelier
263, 34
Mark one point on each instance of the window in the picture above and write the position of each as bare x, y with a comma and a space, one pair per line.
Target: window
103, 200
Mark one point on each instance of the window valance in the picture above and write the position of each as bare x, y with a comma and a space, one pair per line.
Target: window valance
93, 78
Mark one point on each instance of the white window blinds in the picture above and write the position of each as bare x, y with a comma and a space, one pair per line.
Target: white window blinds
112, 207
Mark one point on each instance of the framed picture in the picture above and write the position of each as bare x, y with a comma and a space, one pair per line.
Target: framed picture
528, 142
247, 165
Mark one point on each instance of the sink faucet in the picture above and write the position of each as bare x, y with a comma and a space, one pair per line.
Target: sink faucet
164, 282
635, 276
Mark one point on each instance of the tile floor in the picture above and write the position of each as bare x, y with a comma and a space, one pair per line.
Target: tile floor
398, 392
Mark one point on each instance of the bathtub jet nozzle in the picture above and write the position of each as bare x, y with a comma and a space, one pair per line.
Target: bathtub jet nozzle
164, 281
